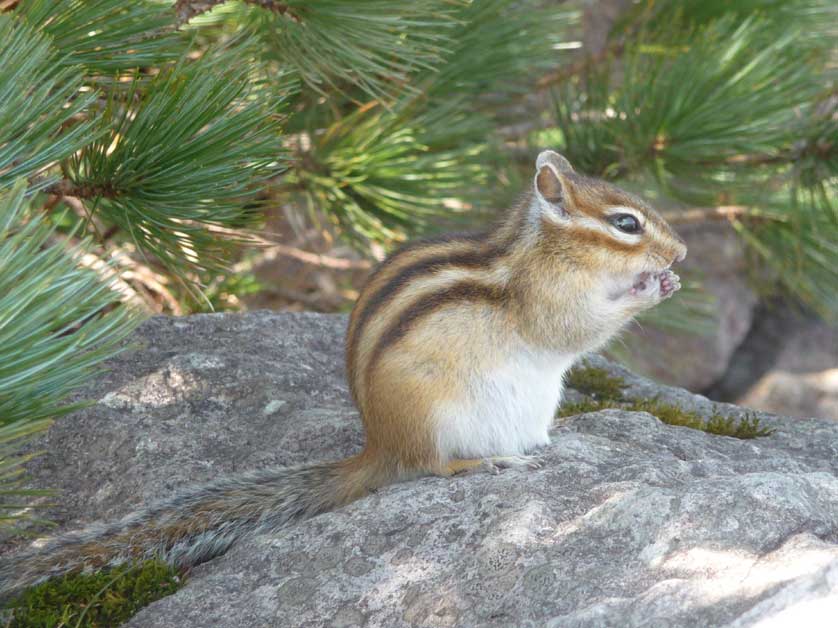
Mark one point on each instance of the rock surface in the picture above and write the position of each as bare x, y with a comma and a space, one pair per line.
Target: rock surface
630, 522
803, 379
193, 398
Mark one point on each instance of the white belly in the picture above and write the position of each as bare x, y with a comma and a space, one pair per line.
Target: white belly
507, 411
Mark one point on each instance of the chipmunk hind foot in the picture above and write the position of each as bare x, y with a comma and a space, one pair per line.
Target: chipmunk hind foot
493, 464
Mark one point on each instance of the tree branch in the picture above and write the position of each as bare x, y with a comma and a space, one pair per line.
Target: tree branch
67, 188
185, 10
578, 67
315, 259
706, 214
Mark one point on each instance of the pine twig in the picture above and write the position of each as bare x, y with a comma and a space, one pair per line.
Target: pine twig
152, 283
185, 10
315, 301
65, 188
317, 259
579, 67
705, 214
307, 257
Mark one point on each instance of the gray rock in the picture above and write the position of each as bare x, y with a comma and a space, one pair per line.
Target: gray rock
630, 522
193, 398
803, 379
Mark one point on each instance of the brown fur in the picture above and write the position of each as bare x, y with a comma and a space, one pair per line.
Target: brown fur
468, 292
385, 282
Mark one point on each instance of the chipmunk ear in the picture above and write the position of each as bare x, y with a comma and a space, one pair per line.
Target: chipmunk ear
554, 159
550, 184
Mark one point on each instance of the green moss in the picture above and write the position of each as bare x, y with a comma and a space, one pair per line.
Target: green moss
596, 382
583, 407
606, 391
748, 427
104, 599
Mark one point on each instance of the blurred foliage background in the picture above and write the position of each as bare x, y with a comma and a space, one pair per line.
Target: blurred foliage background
176, 157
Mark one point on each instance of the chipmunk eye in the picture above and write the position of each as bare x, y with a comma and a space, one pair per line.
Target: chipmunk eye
626, 223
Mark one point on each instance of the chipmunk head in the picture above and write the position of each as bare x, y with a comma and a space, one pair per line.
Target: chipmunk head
600, 227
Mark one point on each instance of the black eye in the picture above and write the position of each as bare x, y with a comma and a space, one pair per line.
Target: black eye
626, 223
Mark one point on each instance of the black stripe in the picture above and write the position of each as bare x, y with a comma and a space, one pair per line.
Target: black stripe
486, 254
382, 296
468, 291
429, 265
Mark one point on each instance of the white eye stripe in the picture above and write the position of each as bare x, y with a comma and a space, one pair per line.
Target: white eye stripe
592, 224
622, 236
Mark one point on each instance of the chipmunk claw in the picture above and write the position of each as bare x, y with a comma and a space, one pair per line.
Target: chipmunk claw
670, 283
496, 464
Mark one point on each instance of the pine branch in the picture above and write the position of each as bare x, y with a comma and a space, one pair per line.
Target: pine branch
582, 67
105, 36
58, 322
318, 259
185, 10
380, 174
66, 188
359, 49
39, 102
697, 215
185, 155
498, 47
307, 257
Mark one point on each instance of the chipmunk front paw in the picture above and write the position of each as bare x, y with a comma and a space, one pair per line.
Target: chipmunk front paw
658, 286
670, 283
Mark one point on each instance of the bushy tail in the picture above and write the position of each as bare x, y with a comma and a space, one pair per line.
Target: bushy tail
201, 522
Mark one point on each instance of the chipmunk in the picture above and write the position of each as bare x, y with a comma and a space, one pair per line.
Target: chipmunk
455, 354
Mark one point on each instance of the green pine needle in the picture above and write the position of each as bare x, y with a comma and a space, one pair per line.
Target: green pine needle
40, 100
498, 47
105, 36
380, 173
369, 45
181, 159
58, 322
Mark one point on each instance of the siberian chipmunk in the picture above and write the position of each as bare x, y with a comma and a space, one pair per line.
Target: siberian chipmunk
455, 356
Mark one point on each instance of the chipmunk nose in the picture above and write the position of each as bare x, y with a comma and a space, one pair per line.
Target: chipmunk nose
680, 254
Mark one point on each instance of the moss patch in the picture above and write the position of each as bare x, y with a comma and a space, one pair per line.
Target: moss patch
104, 599
606, 391
747, 427
596, 382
